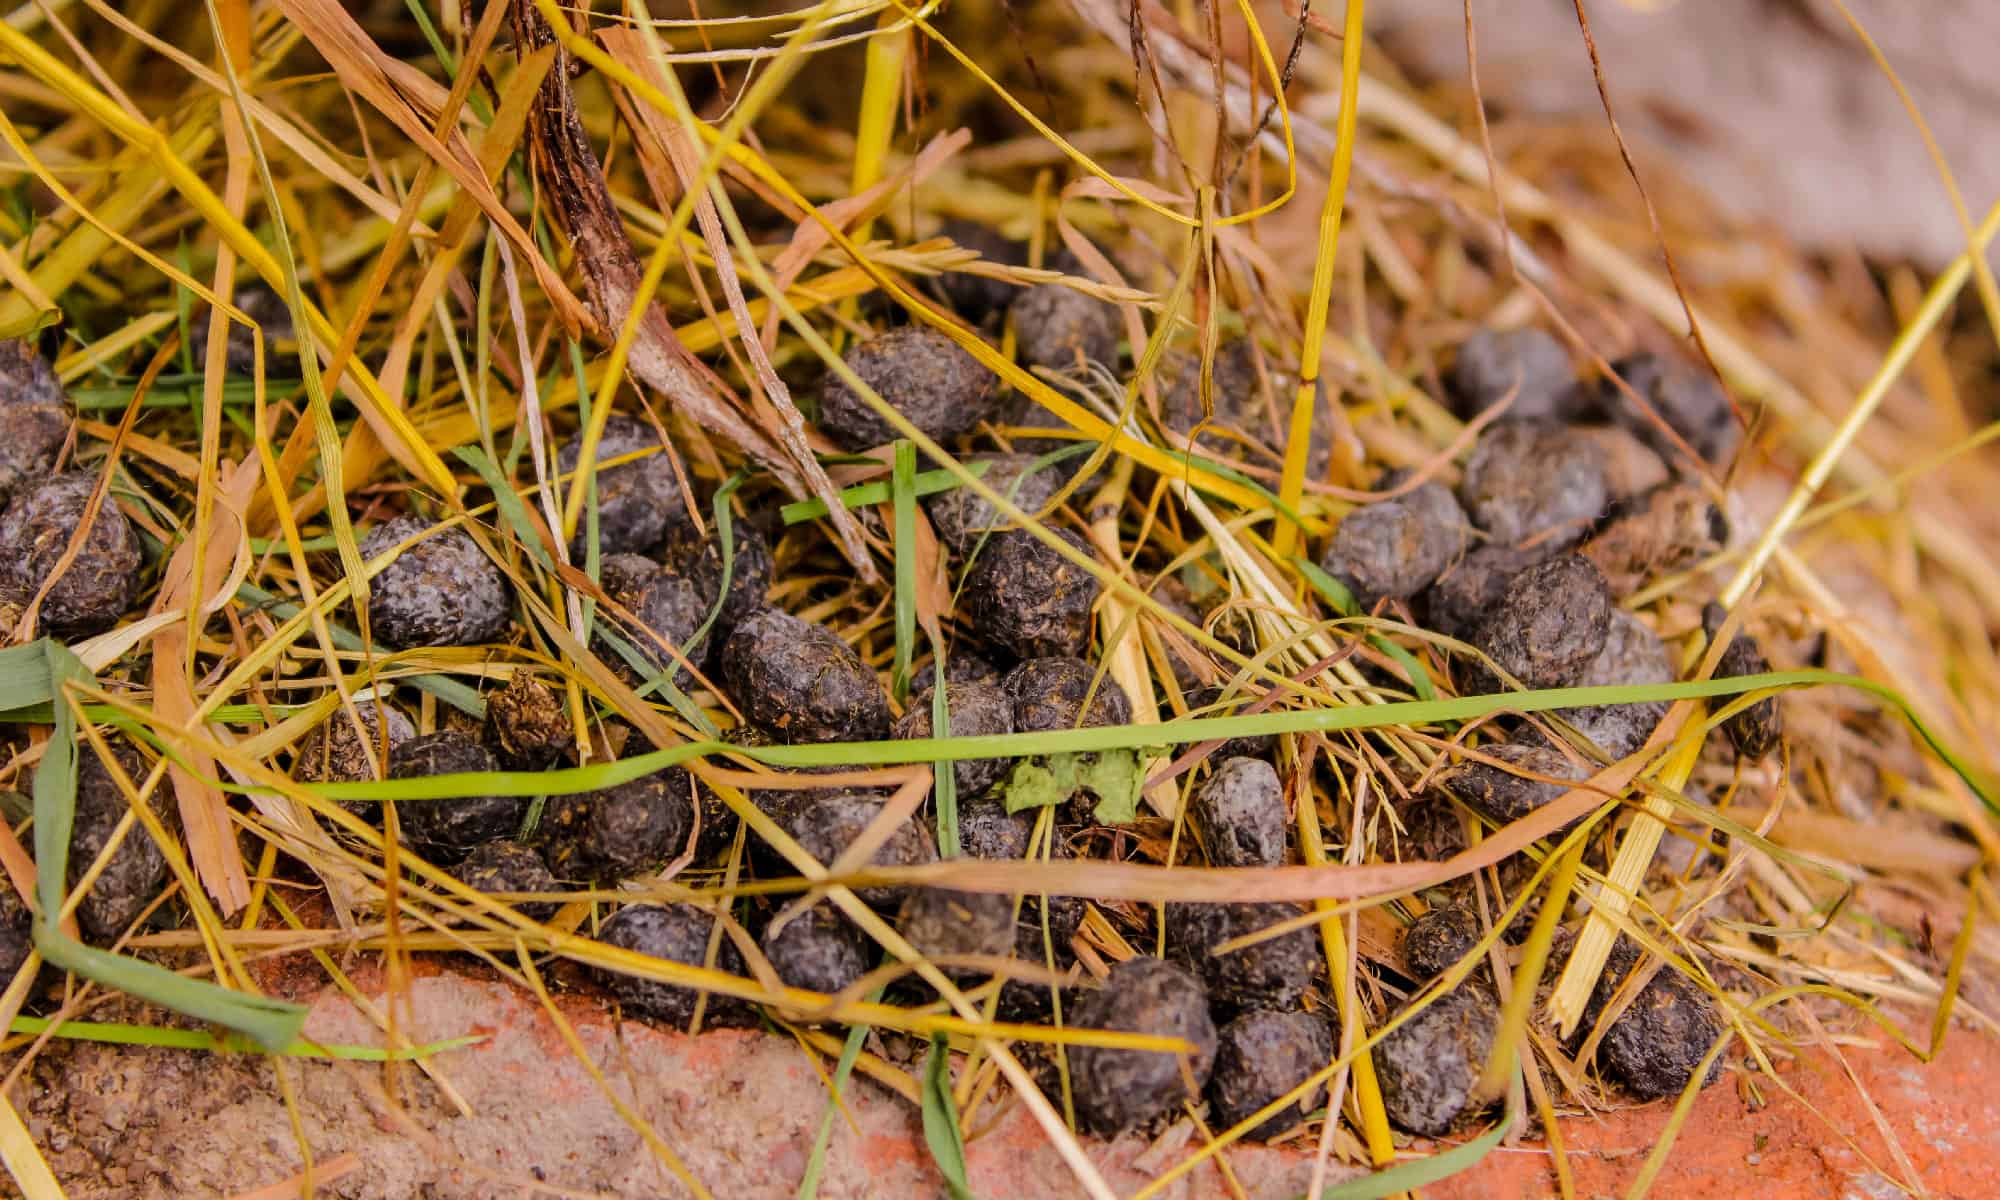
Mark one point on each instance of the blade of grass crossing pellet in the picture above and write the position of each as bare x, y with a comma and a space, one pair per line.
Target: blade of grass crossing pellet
30, 1171
1291, 481
1336, 594
903, 487
1421, 1172
271, 1023
512, 510
928, 483
452, 692
1520, 1001
944, 776
941, 1131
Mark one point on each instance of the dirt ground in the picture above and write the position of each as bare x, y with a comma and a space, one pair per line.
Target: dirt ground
741, 1109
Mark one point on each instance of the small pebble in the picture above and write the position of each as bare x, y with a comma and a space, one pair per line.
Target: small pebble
1053, 325
1117, 1089
1552, 621
509, 868
1273, 973
1688, 399
825, 828
137, 870
34, 417
1259, 1057
1756, 730
917, 371
1049, 694
940, 923
1505, 797
1240, 812
1427, 1066
1530, 479
1393, 549
962, 516
818, 950
1030, 599
1527, 364
1438, 940
677, 933
99, 584
976, 710
801, 682
1655, 533
697, 557
441, 591
446, 829
1633, 656
623, 831
636, 500
1656, 1044
526, 725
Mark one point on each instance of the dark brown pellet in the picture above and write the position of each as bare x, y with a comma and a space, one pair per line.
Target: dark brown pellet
620, 832
1530, 479
825, 827
98, 585
1259, 1057
917, 371
441, 591
1471, 589
1526, 364
1656, 1044
1436, 941
1687, 399
137, 870
940, 923
1552, 621
446, 829
975, 297
1500, 794
526, 724
1428, 1065
801, 682
34, 417
1054, 325
677, 933
1633, 656
1756, 730
1024, 595
962, 516
1240, 812
1117, 1089
1393, 549
1273, 973
976, 710
636, 500
509, 868
698, 558
818, 950
1050, 694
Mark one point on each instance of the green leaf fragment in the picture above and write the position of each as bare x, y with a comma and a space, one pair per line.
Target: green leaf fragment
1115, 777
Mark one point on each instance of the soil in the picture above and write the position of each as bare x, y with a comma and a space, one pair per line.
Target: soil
742, 1108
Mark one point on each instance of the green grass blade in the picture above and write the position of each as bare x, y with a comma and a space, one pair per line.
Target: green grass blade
941, 1132
849, 1052
861, 495
1421, 1172
508, 501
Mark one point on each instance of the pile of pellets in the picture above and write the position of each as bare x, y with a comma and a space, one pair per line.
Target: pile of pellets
1568, 502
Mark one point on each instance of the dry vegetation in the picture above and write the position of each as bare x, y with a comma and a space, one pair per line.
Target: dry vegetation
482, 272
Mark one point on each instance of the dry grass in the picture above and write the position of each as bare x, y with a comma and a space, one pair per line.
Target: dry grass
405, 185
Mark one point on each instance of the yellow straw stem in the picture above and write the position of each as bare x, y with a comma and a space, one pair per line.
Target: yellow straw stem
1298, 440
